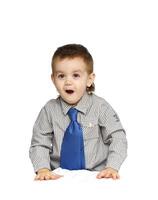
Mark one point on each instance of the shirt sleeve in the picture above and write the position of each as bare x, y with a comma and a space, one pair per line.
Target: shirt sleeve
41, 142
113, 135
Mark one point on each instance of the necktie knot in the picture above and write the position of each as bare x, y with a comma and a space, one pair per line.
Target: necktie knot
73, 114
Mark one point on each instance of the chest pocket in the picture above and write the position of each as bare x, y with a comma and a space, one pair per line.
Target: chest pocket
90, 129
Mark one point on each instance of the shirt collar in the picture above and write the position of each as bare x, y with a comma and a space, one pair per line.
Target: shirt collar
82, 106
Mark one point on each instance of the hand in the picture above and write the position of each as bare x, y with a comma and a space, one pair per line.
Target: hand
46, 174
108, 173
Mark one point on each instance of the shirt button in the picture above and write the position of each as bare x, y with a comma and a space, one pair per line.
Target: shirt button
90, 124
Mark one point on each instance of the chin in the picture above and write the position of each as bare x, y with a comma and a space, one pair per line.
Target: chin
71, 102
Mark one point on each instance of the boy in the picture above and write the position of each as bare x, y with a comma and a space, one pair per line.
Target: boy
78, 130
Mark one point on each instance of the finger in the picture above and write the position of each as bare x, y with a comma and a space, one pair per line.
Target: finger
107, 175
41, 177
114, 176
101, 174
117, 176
36, 177
58, 175
47, 177
54, 177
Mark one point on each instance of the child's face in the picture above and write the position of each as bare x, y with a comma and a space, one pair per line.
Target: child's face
71, 79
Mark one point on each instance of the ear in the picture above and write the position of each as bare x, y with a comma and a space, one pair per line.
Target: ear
90, 80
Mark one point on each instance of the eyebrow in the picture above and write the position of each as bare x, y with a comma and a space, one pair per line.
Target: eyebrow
57, 72
77, 71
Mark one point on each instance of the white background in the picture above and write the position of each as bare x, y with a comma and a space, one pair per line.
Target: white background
122, 37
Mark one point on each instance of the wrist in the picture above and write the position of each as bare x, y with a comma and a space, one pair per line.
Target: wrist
111, 168
43, 170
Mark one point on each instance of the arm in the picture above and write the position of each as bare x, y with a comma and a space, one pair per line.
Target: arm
114, 136
41, 145
41, 142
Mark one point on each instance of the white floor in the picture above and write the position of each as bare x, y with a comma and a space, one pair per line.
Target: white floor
81, 185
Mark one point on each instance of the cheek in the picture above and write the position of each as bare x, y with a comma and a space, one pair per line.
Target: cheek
58, 84
82, 84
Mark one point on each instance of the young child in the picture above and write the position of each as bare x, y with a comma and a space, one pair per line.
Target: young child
78, 130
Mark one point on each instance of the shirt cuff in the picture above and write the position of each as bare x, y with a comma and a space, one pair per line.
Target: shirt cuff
41, 166
114, 163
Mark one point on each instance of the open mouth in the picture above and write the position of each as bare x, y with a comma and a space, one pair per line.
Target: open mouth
69, 91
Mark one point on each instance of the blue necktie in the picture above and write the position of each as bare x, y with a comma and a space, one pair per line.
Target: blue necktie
72, 149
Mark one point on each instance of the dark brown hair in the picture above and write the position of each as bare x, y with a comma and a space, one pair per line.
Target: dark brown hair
72, 51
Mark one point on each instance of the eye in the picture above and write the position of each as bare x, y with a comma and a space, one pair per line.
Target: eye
60, 76
76, 75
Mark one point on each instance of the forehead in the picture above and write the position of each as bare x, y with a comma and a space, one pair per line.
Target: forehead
70, 64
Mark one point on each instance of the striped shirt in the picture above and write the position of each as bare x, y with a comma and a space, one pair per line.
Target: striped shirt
105, 143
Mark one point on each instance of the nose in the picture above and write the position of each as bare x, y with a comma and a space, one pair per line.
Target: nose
68, 81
